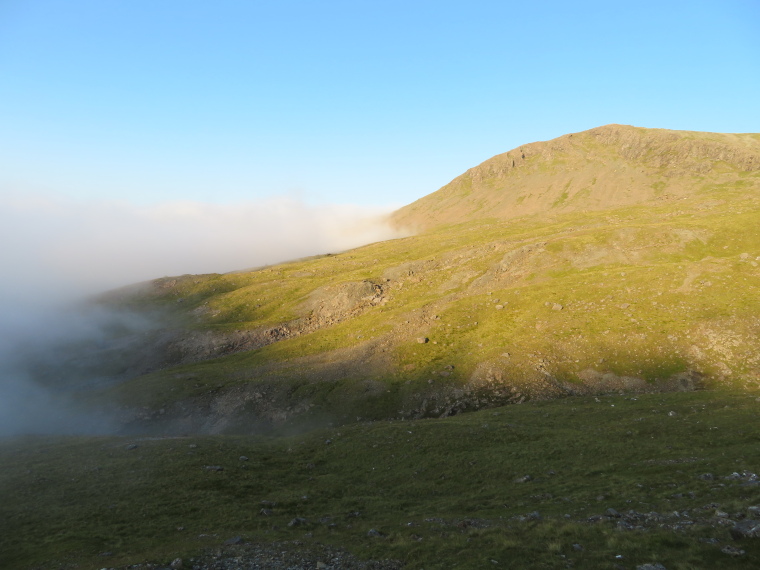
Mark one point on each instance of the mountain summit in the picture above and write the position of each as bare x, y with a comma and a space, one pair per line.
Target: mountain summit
605, 167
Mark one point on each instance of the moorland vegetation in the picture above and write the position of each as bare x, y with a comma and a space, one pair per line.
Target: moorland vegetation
594, 301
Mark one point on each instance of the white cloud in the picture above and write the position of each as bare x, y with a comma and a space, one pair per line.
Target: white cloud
58, 247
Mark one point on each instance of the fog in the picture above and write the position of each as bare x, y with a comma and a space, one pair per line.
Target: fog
65, 248
57, 251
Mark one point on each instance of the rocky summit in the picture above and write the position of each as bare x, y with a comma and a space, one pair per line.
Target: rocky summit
615, 259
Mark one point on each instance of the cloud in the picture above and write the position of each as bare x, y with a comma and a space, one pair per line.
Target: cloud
56, 247
39, 388
56, 251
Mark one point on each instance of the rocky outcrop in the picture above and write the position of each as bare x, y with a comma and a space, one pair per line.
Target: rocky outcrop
326, 306
333, 303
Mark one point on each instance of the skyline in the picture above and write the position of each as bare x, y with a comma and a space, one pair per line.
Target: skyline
139, 140
342, 103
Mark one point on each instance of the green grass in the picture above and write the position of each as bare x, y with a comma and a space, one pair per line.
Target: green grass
646, 292
443, 492
563, 197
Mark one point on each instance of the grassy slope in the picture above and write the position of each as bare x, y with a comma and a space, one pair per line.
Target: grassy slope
602, 168
646, 291
442, 492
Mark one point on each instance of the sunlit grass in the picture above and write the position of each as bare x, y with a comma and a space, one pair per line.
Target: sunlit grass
645, 292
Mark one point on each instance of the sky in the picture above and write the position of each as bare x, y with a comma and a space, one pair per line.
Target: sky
132, 130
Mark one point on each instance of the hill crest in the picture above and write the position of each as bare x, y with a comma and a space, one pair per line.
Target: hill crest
605, 167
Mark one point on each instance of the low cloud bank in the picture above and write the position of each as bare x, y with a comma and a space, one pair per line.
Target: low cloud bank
57, 251
37, 393
60, 247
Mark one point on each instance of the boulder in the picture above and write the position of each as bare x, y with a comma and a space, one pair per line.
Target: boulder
746, 529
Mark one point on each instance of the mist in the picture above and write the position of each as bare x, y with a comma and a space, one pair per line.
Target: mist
59, 251
66, 248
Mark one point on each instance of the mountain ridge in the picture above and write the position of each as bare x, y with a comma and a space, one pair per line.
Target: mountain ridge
604, 167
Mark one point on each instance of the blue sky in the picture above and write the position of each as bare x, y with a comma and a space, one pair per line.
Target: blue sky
367, 103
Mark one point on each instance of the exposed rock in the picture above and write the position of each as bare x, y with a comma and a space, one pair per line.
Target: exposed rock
746, 476
732, 550
336, 302
746, 529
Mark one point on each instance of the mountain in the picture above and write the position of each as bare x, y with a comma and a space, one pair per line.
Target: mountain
607, 167
608, 263
616, 259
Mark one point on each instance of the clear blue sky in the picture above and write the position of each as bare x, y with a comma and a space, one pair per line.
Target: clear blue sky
345, 101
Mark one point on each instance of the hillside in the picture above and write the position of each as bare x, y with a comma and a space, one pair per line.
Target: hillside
572, 483
636, 269
605, 167
589, 315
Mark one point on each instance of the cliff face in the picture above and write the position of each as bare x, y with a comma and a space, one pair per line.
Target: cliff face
605, 167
